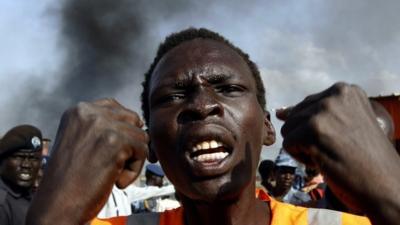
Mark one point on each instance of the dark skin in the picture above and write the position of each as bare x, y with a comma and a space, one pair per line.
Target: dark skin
154, 180
19, 170
110, 138
98, 144
110, 135
338, 131
195, 89
284, 177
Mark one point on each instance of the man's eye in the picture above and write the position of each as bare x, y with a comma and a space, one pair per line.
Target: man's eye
171, 98
17, 157
230, 89
35, 158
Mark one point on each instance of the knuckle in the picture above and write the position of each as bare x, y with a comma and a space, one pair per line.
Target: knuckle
135, 115
105, 101
359, 91
315, 124
341, 88
340, 85
146, 137
327, 104
84, 109
121, 158
110, 138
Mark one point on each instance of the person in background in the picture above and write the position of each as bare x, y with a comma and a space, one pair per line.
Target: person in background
154, 175
285, 168
135, 199
46, 150
314, 184
20, 159
155, 200
266, 171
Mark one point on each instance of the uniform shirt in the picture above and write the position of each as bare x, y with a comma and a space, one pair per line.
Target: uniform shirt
296, 197
13, 206
120, 200
281, 214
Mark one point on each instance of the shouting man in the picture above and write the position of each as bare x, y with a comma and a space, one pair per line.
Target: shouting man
205, 109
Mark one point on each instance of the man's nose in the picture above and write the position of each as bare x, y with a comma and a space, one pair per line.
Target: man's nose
200, 105
26, 162
288, 175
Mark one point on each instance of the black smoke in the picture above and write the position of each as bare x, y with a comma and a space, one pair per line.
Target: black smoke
107, 44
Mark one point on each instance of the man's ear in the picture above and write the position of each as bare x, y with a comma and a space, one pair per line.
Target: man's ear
269, 130
152, 157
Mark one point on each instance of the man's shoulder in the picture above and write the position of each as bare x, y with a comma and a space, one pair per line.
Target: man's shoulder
3, 196
285, 213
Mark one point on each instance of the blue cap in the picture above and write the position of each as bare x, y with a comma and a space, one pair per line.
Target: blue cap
284, 159
155, 169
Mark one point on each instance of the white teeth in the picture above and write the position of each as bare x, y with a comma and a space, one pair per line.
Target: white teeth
213, 144
211, 156
207, 145
25, 176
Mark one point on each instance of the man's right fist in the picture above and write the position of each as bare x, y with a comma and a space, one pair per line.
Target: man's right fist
98, 144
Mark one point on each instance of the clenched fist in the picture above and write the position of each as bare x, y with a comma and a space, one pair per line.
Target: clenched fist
336, 130
97, 145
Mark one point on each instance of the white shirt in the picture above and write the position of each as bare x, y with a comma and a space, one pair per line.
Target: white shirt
119, 201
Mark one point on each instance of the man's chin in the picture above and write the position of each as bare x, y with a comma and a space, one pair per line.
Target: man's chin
213, 191
24, 184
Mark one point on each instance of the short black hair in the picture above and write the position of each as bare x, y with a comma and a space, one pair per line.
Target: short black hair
266, 168
189, 34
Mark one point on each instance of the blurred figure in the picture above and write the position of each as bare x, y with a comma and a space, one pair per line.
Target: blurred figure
155, 200
134, 199
46, 147
154, 175
314, 184
40, 174
266, 170
20, 157
45, 161
285, 168
46, 151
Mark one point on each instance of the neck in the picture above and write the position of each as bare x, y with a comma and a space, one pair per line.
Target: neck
16, 189
245, 209
279, 193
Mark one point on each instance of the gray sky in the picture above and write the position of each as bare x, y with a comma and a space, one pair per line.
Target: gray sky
301, 47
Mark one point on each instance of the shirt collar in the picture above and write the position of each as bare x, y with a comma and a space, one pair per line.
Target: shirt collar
11, 191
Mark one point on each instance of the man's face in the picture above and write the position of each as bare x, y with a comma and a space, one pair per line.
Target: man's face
285, 176
154, 180
20, 169
205, 123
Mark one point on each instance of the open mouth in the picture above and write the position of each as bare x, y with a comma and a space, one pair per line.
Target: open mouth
25, 176
210, 151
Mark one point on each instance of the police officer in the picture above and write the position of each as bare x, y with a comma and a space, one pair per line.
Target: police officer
20, 159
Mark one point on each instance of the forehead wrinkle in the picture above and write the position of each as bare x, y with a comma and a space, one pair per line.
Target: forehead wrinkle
208, 73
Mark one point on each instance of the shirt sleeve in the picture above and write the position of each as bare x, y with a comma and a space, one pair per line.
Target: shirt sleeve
141, 193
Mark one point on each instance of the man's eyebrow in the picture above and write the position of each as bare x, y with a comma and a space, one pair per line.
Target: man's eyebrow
218, 78
182, 83
186, 81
